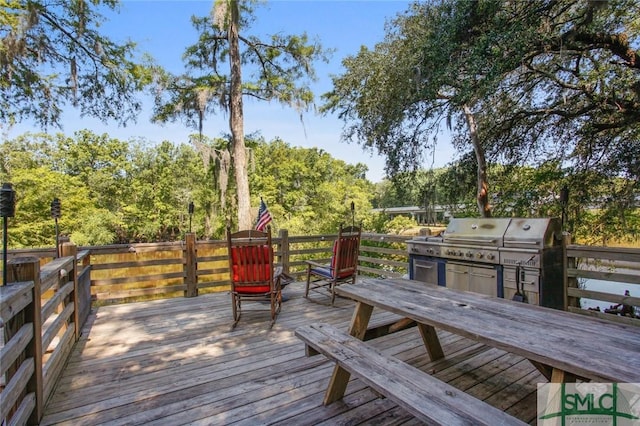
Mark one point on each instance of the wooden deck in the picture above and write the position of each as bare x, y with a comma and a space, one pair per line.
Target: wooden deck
178, 361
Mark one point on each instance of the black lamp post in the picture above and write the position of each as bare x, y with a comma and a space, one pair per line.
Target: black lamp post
55, 214
564, 200
191, 210
426, 207
7, 210
353, 214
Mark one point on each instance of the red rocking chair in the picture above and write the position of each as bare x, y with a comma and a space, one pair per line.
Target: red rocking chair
252, 272
343, 267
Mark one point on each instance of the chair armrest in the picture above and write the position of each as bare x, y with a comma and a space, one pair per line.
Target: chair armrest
311, 263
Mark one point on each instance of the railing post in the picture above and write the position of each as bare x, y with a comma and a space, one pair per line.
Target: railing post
284, 250
569, 262
84, 289
70, 249
23, 269
62, 240
190, 266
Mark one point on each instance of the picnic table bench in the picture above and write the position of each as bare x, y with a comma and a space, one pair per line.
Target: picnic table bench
422, 395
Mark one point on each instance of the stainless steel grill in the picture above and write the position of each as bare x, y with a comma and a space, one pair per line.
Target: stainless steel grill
484, 255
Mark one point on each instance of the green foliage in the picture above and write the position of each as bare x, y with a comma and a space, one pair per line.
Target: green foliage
543, 81
600, 210
35, 188
112, 191
52, 55
307, 190
116, 192
376, 223
399, 224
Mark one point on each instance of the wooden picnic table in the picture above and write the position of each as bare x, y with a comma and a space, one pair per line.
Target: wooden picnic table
562, 345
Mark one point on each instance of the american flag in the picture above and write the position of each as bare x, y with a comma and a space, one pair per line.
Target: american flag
264, 217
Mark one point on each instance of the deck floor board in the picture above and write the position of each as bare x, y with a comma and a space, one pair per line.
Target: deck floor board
179, 361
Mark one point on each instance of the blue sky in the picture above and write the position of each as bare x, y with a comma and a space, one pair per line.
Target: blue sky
163, 29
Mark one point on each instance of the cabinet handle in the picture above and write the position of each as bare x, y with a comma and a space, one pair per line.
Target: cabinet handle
483, 275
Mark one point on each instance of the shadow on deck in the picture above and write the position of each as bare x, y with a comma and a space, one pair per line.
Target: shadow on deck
178, 361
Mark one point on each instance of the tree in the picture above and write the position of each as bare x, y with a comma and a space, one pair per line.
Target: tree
307, 190
35, 189
281, 69
102, 163
408, 88
162, 182
52, 55
115, 192
576, 97
111, 191
523, 82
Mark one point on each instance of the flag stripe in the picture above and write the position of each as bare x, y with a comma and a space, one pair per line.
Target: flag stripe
264, 217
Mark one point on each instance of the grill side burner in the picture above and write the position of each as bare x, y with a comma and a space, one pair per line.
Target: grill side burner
481, 255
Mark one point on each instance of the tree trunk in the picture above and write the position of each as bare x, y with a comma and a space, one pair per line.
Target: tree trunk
236, 121
483, 185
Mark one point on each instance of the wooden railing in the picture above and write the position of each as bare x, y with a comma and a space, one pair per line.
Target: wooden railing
47, 300
608, 264
121, 273
43, 309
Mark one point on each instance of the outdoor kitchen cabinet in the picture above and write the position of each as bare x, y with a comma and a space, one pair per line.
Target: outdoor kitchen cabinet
427, 269
470, 277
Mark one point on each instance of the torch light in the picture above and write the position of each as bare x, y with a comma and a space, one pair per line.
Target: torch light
7, 210
564, 200
191, 210
55, 214
353, 214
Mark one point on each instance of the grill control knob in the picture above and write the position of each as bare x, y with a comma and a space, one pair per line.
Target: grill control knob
490, 256
479, 255
469, 254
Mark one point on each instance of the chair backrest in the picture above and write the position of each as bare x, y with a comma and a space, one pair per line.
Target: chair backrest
250, 261
346, 248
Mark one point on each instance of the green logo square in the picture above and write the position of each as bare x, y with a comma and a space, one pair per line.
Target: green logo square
589, 404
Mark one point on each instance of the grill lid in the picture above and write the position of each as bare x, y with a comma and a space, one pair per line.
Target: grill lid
533, 233
536, 233
476, 231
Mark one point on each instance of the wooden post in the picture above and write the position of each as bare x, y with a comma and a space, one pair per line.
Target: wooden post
28, 269
62, 240
284, 250
84, 288
190, 266
568, 282
70, 249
